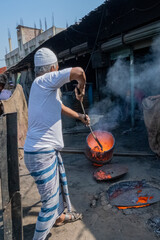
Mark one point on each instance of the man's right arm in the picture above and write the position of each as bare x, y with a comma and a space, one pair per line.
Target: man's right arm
78, 74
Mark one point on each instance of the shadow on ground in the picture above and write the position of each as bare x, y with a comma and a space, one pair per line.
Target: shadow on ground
102, 221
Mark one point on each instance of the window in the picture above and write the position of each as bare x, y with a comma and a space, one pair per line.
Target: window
8, 62
32, 48
19, 44
16, 58
12, 59
26, 51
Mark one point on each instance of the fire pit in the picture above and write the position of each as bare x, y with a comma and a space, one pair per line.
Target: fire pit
132, 194
94, 152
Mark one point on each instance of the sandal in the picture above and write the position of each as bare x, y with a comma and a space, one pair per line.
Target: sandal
70, 217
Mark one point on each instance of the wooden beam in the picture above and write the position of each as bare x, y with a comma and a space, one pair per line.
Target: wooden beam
10, 183
13, 176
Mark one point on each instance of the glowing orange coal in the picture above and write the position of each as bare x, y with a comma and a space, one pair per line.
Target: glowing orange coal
93, 150
142, 199
139, 191
134, 206
98, 149
105, 139
101, 175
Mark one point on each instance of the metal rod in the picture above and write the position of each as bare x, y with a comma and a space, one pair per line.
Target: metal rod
132, 87
94, 136
121, 154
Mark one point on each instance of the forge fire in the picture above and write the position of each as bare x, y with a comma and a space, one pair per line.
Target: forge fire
133, 194
101, 175
95, 153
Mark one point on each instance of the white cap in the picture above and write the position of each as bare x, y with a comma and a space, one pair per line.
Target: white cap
43, 57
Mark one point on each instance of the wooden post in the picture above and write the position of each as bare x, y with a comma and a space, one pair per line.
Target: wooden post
12, 175
6, 205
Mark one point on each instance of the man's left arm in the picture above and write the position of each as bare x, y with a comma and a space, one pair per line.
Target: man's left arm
70, 113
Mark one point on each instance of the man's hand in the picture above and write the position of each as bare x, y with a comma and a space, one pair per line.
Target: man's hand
153, 97
70, 113
78, 74
80, 93
84, 118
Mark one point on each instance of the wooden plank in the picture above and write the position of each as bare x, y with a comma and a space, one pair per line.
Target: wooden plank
6, 206
13, 176
7, 222
17, 216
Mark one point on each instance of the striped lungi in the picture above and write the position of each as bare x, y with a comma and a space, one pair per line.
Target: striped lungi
49, 173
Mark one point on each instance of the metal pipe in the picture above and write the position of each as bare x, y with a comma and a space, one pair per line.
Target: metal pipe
121, 154
132, 86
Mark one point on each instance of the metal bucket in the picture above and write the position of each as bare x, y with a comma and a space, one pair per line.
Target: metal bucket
98, 157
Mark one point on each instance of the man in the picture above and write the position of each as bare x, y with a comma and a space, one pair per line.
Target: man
44, 139
11, 86
4, 93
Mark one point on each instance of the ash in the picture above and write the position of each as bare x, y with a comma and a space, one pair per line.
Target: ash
154, 225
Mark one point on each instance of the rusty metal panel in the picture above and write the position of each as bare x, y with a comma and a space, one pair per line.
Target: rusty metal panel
17, 103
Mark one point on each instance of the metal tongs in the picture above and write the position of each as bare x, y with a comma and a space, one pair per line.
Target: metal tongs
94, 136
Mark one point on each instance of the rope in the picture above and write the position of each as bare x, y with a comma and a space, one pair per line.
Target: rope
96, 38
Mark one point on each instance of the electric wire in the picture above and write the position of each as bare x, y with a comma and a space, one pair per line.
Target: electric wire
100, 24
121, 16
147, 9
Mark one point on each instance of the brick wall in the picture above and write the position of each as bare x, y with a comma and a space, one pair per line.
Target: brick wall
28, 34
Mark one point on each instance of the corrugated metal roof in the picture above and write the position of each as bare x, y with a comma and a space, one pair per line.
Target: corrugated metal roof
110, 19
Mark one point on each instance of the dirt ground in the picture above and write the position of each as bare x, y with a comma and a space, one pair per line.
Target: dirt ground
102, 221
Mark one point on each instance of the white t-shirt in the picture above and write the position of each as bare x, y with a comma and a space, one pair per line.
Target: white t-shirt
44, 112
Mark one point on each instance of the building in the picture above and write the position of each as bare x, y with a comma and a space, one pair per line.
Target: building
122, 29
28, 39
3, 69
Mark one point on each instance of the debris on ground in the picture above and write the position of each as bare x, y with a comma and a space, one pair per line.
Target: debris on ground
154, 225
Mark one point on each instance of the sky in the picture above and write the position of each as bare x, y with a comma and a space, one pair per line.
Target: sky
29, 12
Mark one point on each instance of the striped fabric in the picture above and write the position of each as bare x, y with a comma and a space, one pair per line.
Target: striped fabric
48, 171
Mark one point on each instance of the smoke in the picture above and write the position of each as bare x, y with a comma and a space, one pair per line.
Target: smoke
117, 78
117, 89
147, 74
105, 114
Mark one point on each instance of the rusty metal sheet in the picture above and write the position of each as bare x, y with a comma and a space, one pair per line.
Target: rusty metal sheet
110, 172
17, 103
136, 195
